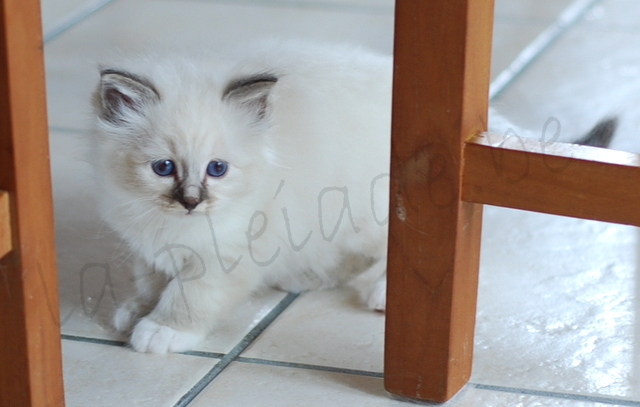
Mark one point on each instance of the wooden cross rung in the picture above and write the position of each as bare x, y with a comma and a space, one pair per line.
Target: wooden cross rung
557, 178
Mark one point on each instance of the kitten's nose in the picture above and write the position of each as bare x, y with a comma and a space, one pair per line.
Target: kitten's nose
190, 203
189, 196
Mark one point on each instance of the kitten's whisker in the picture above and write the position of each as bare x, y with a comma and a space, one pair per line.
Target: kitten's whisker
122, 207
135, 221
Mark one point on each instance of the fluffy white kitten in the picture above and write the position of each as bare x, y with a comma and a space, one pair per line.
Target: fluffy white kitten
226, 173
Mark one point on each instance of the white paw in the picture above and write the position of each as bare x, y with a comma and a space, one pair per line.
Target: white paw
377, 298
149, 336
123, 319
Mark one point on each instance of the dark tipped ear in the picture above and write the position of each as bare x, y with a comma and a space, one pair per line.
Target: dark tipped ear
251, 93
122, 91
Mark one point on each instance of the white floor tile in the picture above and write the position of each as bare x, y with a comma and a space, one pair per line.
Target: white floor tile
243, 384
252, 385
615, 15
56, 12
99, 375
72, 58
361, 6
532, 10
90, 274
591, 72
518, 23
557, 305
509, 38
327, 328
236, 325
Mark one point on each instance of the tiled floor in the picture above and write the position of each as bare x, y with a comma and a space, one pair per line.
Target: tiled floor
557, 307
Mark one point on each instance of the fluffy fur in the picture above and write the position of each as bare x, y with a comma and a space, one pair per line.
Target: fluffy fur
303, 132
303, 203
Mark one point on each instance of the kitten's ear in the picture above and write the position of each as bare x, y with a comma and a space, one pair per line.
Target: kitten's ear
121, 92
251, 93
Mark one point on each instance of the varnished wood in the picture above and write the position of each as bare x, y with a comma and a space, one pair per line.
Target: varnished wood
441, 82
558, 178
30, 355
5, 225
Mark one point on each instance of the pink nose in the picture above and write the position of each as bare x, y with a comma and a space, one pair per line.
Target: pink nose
190, 203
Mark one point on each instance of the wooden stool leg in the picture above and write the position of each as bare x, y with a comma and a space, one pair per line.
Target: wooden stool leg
30, 357
441, 83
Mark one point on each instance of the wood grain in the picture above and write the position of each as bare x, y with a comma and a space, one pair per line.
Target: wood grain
557, 178
441, 83
30, 354
5, 225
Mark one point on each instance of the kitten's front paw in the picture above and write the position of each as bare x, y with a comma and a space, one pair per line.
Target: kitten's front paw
127, 314
123, 319
149, 336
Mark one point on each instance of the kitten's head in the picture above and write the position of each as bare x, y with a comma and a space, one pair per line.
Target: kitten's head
177, 140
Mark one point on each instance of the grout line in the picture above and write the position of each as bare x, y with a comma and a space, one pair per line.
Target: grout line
236, 351
531, 52
233, 355
215, 355
310, 367
202, 354
108, 342
558, 395
76, 17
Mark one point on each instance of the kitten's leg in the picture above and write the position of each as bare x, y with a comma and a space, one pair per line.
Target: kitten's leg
186, 312
371, 285
149, 284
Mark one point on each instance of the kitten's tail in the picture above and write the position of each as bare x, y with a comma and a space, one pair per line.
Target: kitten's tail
601, 134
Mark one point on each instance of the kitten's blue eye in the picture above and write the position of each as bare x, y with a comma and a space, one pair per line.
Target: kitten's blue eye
163, 168
216, 168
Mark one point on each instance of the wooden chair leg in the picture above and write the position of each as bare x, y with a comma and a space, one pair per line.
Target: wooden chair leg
30, 356
441, 83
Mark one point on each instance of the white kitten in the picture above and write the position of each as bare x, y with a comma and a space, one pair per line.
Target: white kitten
268, 166
223, 174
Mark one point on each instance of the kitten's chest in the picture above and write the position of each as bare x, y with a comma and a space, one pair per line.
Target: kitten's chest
172, 248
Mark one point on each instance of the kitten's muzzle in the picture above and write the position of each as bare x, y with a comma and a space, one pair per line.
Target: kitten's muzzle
190, 203
190, 197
